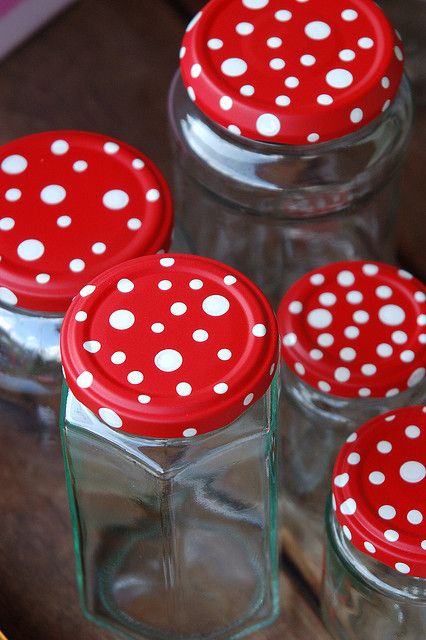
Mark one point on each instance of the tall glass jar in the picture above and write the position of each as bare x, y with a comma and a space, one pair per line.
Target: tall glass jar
169, 439
353, 345
74, 204
374, 582
289, 129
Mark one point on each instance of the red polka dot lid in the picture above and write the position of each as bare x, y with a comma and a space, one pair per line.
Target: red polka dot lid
294, 72
73, 204
169, 346
355, 329
379, 488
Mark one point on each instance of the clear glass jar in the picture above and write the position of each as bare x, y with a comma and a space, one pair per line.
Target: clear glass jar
276, 211
363, 596
175, 538
169, 434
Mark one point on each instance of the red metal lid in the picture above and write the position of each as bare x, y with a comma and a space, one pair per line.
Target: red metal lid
293, 72
355, 329
379, 486
73, 205
169, 347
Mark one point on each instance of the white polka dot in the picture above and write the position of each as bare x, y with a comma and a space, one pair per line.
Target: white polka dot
348, 507
415, 517
194, 21
370, 547
125, 286
398, 53
422, 338
385, 82
407, 356
259, 330
215, 44
384, 350
277, 64
345, 278
167, 262
325, 340
30, 250
412, 431
43, 278
189, 433
402, 567
324, 386
283, 15
144, 399
316, 354
53, 194
234, 67
200, 335
122, 319
98, 248
138, 163
183, 389
63, 221
85, 380
300, 369
327, 299
339, 78
357, 115
317, 279
421, 320
79, 166
325, 99
353, 437
319, 318
376, 477
347, 354
191, 93
224, 354
157, 327
274, 42
295, 307
364, 392
165, 285
317, 30
255, 4
268, 125
115, 199
366, 43
81, 316
347, 55
110, 417
290, 339
168, 360
420, 296
412, 471
416, 377
399, 337
153, 195
220, 388
282, 101
7, 296
370, 269
92, 346
384, 292
111, 147
248, 399
384, 446
354, 458
341, 480
135, 377
354, 297
391, 535
178, 308
342, 374
308, 60
349, 15
226, 103
351, 332
423, 545
14, 164
392, 315
118, 357
6, 224
369, 369
234, 129
13, 195
391, 393
244, 28
387, 512
247, 90
313, 137
361, 317
347, 532
390, 418
291, 82
386, 105
196, 284
77, 265
87, 290
196, 70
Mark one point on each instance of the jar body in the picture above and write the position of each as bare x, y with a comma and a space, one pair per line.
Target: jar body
175, 539
363, 598
30, 369
314, 426
277, 211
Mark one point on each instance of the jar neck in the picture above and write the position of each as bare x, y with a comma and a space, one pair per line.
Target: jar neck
30, 313
353, 411
368, 572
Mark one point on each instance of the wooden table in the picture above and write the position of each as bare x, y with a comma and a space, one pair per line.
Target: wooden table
105, 65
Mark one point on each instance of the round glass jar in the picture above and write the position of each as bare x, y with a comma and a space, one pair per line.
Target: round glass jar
374, 579
169, 439
354, 346
281, 166
74, 203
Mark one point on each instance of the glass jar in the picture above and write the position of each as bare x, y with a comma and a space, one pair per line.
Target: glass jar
74, 203
169, 439
374, 582
353, 345
280, 165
